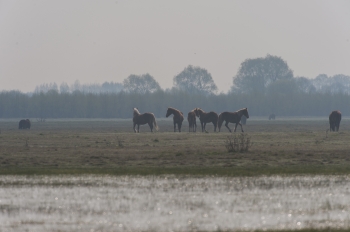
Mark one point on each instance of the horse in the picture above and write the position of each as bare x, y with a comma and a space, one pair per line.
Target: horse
141, 119
234, 117
334, 120
24, 124
272, 116
191, 118
205, 118
177, 119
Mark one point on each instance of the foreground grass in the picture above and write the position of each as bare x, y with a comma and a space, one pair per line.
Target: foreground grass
307, 230
284, 147
193, 171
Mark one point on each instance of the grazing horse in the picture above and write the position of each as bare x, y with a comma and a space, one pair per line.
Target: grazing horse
24, 124
191, 118
334, 120
234, 117
177, 119
205, 118
141, 119
272, 116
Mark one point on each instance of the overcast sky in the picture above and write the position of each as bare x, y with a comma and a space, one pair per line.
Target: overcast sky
96, 41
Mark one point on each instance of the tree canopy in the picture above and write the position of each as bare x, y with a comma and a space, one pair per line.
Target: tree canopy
254, 75
141, 84
195, 80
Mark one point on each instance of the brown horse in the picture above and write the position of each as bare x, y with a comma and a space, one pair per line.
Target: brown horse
205, 118
191, 118
334, 120
24, 124
177, 119
141, 119
233, 117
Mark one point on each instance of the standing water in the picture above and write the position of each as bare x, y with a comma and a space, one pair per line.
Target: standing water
172, 203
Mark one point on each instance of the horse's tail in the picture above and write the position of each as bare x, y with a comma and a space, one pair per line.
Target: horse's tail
155, 123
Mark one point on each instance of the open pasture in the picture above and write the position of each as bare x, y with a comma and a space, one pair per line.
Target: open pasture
283, 146
166, 181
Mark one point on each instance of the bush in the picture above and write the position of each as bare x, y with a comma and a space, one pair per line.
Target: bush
238, 143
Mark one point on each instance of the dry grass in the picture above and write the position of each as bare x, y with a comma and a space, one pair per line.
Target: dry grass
110, 146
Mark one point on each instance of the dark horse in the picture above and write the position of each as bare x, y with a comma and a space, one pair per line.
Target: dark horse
24, 124
178, 117
141, 119
191, 118
205, 118
234, 117
334, 120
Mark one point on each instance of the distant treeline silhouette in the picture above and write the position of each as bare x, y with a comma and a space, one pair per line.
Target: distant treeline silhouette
52, 104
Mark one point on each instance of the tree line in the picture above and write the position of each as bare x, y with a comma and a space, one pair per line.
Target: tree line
14, 104
254, 75
264, 85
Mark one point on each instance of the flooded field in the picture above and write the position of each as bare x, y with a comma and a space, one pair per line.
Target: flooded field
172, 203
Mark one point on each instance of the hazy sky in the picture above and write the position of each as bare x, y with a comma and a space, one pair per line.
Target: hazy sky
96, 41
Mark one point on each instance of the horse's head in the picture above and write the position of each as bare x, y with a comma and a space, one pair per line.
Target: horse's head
168, 112
245, 112
200, 112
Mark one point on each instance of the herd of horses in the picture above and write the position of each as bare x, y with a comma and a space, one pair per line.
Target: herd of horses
212, 117
204, 118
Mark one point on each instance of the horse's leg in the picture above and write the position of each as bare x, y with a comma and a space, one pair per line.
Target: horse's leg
214, 126
174, 126
151, 126
204, 127
226, 124
195, 127
237, 125
220, 124
134, 127
138, 128
179, 125
241, 127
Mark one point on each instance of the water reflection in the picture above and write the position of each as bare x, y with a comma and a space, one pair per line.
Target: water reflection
84, 203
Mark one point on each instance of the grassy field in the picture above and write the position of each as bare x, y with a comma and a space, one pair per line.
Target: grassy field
98, 146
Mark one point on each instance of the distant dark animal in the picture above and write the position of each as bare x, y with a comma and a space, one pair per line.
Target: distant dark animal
177, 119
205, 118
233, 117
191, 118
141, 119
334, 120
243, 120
24, 124
272, 116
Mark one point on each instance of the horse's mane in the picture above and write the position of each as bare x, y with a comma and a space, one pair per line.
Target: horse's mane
136, 112
241, 109
175, 109
199, 109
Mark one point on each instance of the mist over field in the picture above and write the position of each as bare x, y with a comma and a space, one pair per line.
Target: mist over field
88, 59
